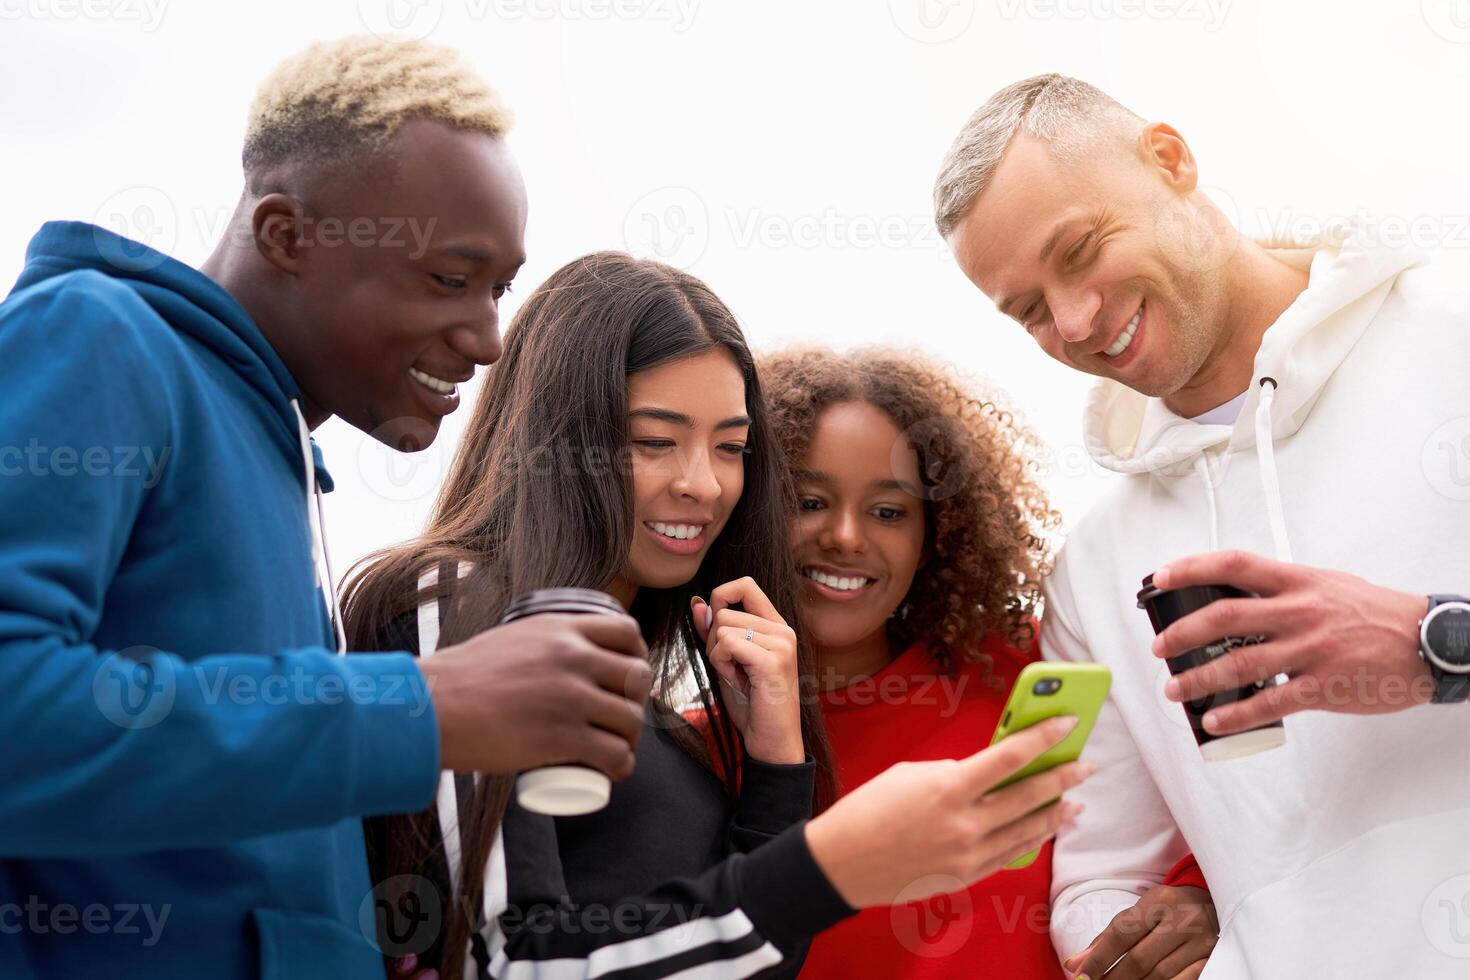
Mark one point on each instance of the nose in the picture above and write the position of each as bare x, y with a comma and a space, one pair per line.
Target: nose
695, 479
842, 532
479, 342
1074, 311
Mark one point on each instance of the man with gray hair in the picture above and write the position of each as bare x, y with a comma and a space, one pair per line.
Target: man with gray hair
1291, 400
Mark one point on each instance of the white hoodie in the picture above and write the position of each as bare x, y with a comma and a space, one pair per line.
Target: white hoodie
1345, 853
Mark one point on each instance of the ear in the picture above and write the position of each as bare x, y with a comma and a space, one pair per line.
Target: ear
1166, 152
278, 227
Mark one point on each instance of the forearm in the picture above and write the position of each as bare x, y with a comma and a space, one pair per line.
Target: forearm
114, 755
741, 917
773, 798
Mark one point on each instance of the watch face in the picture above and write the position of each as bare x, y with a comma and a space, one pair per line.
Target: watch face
1447, 635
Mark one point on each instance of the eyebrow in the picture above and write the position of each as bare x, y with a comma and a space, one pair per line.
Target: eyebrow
817, 476
679, 418
471, 253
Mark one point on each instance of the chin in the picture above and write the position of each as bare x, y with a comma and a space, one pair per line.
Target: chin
830, 629
406, 434
666, 577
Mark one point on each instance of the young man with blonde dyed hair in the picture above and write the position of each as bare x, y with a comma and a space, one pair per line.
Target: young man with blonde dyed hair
188, 758
1283, 399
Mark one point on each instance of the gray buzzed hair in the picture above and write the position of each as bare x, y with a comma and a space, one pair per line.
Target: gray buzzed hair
1065, 112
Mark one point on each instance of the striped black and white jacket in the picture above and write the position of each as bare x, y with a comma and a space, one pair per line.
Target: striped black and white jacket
671, 879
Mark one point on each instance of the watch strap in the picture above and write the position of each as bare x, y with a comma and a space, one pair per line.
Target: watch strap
1449, 687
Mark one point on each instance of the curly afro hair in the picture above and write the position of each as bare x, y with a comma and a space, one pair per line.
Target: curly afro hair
989, 527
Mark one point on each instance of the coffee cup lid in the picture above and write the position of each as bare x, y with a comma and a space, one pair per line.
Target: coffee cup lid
561, 601
563, 791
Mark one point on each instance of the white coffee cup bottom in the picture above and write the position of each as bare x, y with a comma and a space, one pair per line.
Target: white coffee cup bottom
1240, 745
563, 791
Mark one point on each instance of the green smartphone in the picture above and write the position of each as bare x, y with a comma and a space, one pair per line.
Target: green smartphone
1046, 690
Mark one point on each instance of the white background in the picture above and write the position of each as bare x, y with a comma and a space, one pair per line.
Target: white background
783, 151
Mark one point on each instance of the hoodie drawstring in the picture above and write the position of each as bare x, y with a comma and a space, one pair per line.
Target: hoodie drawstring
321, 556
1266, 457
1203, 469
1270, 487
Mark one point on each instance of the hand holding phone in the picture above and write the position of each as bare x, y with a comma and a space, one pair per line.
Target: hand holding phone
1047, 690
925, 828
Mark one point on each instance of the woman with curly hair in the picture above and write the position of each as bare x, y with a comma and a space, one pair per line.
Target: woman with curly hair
922, 535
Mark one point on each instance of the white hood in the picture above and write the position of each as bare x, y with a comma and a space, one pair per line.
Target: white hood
1132, 433
1335, 854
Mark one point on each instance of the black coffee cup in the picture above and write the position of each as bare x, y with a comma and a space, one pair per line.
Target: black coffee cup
1165, 608
570, 790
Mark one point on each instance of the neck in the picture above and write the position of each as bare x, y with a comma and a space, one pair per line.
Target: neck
1258, 289
623, 591
238, 271
841, 666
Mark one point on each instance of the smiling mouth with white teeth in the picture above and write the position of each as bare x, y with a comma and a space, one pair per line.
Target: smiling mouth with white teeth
1126, 337
842, 583
437, 385
679, 532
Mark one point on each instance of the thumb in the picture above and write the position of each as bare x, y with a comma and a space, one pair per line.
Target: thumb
1074, 961
703, 617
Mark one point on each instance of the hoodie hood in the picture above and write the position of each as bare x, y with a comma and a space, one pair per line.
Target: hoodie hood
1348, 281
191, 302
196, 306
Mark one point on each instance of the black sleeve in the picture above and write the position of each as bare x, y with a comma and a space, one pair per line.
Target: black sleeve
757, 909
746, 915
773, 798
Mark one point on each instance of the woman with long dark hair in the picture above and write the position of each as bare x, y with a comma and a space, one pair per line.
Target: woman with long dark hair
621, 443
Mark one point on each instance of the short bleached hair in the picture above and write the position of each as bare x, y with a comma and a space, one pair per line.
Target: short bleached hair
339, 100
1067, 113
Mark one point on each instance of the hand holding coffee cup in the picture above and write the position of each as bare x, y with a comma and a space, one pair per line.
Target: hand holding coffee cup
1343, 643
544, 689
1167, 607
563, 790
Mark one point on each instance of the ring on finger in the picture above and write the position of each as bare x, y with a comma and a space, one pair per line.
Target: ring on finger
750, 636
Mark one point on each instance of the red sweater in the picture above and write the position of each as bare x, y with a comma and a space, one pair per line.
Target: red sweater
999, 927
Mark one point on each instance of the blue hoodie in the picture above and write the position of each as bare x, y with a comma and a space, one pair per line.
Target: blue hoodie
185, 755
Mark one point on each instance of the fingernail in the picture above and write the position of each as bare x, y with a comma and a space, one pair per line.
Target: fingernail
1212, 721
1161, 578
1171, 689
1066, 724
407, 963
709, 617
1087, 770
429, 975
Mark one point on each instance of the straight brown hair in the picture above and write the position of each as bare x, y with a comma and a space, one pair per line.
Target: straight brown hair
539, 495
